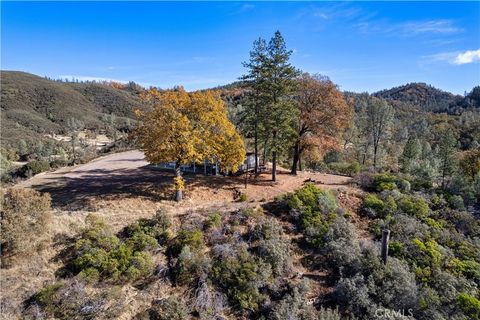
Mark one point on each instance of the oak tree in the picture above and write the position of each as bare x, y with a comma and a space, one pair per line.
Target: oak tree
323, 116
379, 116
187, 127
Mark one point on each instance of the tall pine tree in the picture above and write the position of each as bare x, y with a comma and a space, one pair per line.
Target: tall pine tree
446, 155
272, 80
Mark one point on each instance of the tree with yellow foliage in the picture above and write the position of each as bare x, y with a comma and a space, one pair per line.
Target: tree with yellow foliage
188, 127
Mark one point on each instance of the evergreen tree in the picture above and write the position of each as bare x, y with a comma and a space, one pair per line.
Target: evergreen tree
271, 109
446, 155
411, 154
252, 115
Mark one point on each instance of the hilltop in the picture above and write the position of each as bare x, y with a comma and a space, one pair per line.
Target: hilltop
428, 98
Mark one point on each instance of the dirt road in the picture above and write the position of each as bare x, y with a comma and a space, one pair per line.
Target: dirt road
127, 175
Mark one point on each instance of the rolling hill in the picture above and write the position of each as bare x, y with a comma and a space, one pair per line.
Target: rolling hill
431, 99
32, 106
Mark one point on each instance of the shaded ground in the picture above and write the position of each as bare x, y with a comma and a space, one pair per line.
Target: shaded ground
127, 175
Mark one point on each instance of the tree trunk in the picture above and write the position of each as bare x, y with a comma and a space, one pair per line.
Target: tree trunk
300, 160
73, 149
365, 152
274, 156
385, 238
296, 157
274, 165
256, 149
178, 191
375, 149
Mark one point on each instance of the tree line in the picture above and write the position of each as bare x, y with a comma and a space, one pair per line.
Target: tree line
295, 118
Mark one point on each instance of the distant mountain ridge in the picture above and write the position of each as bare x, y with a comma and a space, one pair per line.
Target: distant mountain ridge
32, 106
430, 99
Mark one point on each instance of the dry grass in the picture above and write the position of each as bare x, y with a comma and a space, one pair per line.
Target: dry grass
120, 204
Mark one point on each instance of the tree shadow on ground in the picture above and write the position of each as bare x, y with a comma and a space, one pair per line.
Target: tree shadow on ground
75, 192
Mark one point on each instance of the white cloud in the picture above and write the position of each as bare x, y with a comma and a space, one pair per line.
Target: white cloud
430, 26
410, 28
468, 56
454, 57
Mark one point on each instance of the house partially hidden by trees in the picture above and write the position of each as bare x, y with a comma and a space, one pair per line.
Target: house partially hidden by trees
209, 168
184, 128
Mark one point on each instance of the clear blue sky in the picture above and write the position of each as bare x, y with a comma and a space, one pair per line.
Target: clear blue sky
362, 46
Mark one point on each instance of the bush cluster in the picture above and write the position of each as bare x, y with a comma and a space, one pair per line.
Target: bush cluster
312, 209
435, 238
102, 255
344, 168
34, 167
24, 224
72, 299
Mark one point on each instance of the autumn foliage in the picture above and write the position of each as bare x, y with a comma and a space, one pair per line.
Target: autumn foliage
324, 115
189, 127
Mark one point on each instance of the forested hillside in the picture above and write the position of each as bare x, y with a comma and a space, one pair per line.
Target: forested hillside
33, 106
431, 99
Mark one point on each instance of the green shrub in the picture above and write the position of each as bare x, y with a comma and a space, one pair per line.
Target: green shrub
171, 308
423, 178
214, 220
187, 237
404, 185
428, 253
414, 206
58, 163
384, 181
24, 224
396, 249
46, 296
344, 168
100, 254
311, 198
35, 167
314, 209
243, 197
470, 305
432, 223
469, 268
191, 264
140, 241
238, 274
371, 201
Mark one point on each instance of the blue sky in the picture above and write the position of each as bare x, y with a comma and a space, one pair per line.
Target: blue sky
362, 46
